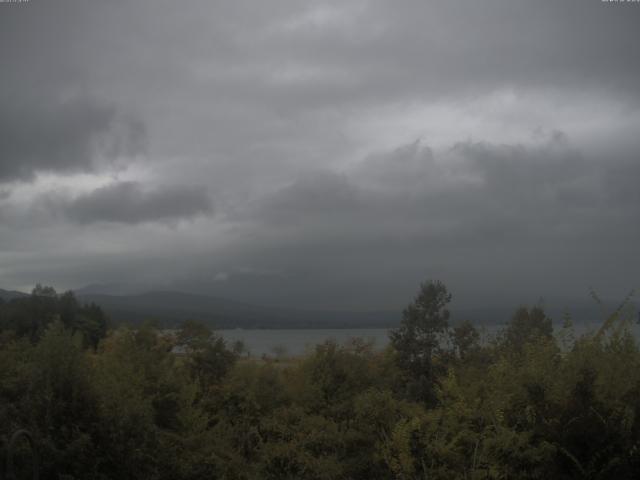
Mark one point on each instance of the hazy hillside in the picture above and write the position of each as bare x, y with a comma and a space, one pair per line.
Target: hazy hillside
169, 308
7, 295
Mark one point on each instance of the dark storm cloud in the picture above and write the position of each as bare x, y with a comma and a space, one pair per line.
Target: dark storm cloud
414, 186
130, 202
541, 213
289, 112
50, 120
63, 137
488, 44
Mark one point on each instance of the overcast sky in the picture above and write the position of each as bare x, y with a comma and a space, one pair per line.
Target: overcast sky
322, 154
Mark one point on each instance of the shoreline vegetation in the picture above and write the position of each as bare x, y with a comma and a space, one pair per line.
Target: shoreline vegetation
531, 402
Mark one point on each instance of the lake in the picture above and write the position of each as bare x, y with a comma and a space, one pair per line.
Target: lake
287, 342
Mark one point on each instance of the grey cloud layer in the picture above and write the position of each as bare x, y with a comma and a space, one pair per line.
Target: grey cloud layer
63, 137
129, 202
289, 113
495, 220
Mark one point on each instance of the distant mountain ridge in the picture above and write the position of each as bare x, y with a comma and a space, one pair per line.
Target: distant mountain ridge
118, 289
170, 307
7, 295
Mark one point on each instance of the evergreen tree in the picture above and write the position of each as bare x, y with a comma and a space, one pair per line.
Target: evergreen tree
419, 337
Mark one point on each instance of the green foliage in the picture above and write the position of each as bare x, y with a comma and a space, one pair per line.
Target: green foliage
208, 358
465, 339
419, 337
527, 325
30, 316
438, 403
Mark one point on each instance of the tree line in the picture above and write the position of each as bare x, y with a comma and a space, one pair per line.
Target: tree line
140, 403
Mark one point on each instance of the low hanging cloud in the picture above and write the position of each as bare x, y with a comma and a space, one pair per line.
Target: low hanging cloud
414, 185
543, 207
291, 113
64, 137
131, 203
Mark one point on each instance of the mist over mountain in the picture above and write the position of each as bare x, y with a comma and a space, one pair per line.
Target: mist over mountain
319, 240
321, 155
170, 307
133, 305
7, 295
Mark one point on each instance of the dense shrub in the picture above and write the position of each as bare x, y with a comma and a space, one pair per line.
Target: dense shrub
140, 403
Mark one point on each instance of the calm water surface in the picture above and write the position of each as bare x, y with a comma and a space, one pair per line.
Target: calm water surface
299, 341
